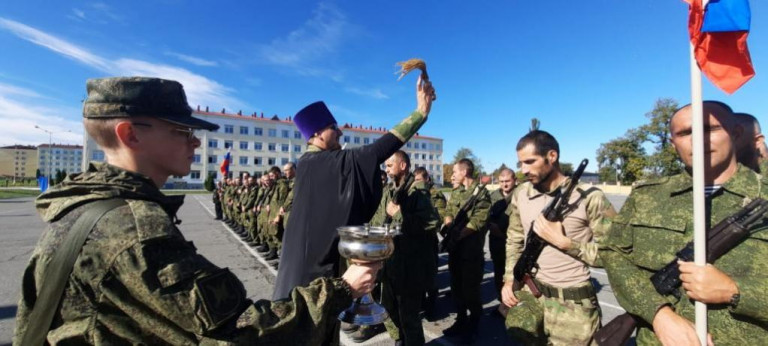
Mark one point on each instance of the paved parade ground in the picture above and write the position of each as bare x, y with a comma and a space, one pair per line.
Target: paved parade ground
20, 228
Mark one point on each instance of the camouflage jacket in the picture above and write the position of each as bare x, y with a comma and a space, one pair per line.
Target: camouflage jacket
586, 224
656, 222
412, 265
438, 201
478, 215
288, 203
279, 194
499, 212
138, 281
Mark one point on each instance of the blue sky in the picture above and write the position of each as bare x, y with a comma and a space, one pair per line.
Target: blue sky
588, 70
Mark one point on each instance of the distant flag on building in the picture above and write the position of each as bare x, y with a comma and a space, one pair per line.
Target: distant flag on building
719, 36
225, 164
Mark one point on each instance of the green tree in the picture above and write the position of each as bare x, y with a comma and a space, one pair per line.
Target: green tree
447, 173
567, 168
466, 153
624, 154
497, 171
208, 183
664, 161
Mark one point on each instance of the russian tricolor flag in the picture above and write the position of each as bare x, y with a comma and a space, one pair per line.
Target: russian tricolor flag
225, 164
719, 36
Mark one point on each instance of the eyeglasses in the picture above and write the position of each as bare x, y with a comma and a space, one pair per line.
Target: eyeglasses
189, 133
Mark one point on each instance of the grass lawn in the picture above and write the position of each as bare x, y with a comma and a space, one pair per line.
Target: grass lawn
14, 193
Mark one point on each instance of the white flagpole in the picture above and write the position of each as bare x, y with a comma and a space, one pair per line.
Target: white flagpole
699, 213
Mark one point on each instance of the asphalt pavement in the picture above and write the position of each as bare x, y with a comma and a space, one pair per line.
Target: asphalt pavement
20, 227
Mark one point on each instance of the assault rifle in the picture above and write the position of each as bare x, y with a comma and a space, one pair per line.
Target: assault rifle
452, 232
398, 197
726, 235
554, 211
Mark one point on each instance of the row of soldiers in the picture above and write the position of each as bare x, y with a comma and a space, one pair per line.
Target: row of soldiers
258, 209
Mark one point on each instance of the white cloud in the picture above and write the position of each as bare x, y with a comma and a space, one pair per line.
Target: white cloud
78, 13
97, 12
20, 112
372, 93
193, 60
317, 38
200, 90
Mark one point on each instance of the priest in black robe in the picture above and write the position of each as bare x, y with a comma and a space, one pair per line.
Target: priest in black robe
335, 188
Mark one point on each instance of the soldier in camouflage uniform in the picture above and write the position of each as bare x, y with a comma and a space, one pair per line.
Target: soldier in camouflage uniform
217, 191
410, 270
656, 222
242, 198
498, 222
465, 262
262, 219
137, 280
249, 217
274, 218
571, 314
437, 198
289, 171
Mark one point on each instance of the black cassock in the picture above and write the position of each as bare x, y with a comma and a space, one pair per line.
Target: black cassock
332, 189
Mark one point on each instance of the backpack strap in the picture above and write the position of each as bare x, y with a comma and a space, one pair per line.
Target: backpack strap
56, 274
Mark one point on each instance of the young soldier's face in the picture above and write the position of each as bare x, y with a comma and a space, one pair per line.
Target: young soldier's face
718, 144
506, 182
166, 148
458, 175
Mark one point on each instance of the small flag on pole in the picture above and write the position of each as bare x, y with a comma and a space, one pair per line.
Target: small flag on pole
225, 164
719, 36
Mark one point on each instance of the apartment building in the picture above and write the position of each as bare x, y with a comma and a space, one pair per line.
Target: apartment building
256, 142
19, 161
61, 157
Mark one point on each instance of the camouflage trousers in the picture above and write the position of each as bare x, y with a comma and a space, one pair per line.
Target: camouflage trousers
404, 307
553, 321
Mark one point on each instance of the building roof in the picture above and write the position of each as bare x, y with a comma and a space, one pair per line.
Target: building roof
289, 121
61, 146
17, 146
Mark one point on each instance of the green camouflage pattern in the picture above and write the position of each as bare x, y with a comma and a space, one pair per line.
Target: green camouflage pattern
553, 321
411, 269
499, 209
763, 164
279, 194
656, 222
478, 215
138, 281
438, 201
408, 127
123, 97
288, 204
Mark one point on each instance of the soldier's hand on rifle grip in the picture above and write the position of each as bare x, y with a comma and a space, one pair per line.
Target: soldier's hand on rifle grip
448, 220
552, 232
508, 297
707, 284
392, 209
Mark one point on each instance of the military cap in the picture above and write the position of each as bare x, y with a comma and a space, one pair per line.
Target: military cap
313, 118
125, 97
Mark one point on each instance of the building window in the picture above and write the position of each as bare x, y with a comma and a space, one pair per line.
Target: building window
438, 168
271, 147
197, 158
437, 146
227, 144
408, 145
284, 148
243, 130
357, 140
271, 161
229, 129
366, 140
194, 174
97, 155
243, 160
439, 178
296, 134
257, 146
431, 167
212, 143
283, 161
258, 131
272, 132
285, 133
213, 173
243, 145
297, 148
423, 156
430, 156
346, 139
211, 158
257, 161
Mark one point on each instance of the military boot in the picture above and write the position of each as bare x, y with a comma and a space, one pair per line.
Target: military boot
264, 248
271, 255
471, 331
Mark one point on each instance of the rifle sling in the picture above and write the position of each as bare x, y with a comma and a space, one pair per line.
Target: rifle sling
56, 273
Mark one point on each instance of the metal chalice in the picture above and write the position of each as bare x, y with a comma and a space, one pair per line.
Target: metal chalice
366, 244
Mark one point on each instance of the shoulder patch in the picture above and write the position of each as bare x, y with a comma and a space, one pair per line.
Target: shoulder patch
222, 296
